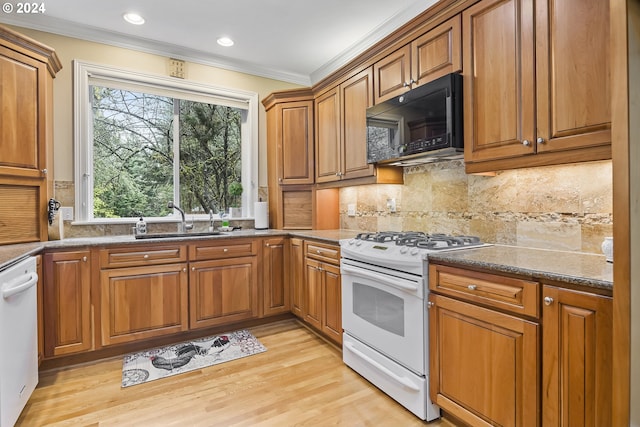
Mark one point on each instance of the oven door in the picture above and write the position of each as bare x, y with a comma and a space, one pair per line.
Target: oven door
386, 312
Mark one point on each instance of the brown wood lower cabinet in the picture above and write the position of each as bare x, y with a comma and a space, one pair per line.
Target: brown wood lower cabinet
67, 303
483, 364
495, 360
295, 271
143, 302
275, 283
576, 358
223, 291
323, 290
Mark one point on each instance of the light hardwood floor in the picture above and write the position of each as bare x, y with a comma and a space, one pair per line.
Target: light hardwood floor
299, 381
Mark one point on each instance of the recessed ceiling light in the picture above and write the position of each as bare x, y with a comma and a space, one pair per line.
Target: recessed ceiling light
225, 41
133, 18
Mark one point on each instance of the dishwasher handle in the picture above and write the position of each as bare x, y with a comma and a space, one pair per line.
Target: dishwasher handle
18, 285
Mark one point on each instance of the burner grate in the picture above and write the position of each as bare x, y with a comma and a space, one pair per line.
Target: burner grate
421, 240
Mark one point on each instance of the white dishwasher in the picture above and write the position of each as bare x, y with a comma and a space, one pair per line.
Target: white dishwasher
18, 338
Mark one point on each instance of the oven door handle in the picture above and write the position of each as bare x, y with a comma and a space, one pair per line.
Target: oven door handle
401, 380
362, 273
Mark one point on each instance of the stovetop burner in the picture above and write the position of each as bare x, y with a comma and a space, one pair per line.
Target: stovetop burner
435, 241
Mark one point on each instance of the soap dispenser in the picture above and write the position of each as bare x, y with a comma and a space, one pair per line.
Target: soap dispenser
141, 226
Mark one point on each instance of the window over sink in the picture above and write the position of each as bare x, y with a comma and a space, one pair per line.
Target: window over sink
143, 140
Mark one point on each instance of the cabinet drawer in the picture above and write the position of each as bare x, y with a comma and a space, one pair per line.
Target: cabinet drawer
229, 248
323, 252
513, 295
131, 256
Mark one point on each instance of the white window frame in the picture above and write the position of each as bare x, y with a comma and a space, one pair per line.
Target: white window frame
86, 72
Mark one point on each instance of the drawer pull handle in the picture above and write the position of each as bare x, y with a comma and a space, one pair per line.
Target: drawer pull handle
146, 256
472, 287
225, 250
548, 300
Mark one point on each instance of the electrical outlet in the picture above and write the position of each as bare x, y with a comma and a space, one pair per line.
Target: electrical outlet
351, 209
391, 205
176, 68
66, 213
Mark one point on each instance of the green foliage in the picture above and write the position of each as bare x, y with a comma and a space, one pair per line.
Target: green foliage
134, 161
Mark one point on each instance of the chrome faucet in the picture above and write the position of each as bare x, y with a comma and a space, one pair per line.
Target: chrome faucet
183, 225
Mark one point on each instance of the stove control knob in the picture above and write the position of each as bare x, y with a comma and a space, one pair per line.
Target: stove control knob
359, 242
352, 241
414, 251
404, 249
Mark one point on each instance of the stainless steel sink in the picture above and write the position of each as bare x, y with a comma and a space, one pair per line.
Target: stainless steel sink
169, 235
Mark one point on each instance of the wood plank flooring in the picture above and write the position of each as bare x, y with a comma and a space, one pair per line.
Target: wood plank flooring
299, 381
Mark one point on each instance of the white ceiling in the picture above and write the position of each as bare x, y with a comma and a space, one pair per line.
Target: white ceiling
299, 41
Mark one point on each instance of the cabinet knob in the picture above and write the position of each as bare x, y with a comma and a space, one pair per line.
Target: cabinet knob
471, 287
430, 304
279, 179
267, 244
193, 269
146, 256
225, 250
548, 300
184, 269
540, 140
44, 171
526, 143
84, 259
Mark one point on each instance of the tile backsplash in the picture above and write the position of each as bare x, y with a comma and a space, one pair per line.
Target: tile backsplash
565, 207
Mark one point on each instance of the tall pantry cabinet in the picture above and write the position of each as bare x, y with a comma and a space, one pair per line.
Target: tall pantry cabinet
27, 69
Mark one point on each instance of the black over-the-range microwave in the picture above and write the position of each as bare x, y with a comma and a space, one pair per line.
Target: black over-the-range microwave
421, 125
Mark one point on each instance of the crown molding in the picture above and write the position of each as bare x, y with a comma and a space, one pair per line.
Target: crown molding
89, 33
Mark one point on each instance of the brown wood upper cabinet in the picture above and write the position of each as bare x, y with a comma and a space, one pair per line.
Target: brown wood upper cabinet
27, 69
536, 81
432, 55
341, 133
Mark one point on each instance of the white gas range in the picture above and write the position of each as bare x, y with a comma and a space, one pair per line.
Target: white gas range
384, 288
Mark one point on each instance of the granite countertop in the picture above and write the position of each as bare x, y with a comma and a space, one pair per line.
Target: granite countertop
583, 269
12, 253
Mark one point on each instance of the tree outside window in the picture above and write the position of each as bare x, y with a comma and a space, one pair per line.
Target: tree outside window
142, 142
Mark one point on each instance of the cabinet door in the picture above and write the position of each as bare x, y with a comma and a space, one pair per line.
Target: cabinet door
327, 109
313, 294
296, 276
295, 143
572, 74
332, 302
438, 52
67, 303
484, 365
499, 72
143, 302
21, 79
577, 357
274, 280
223, 291
356, 95
392, 75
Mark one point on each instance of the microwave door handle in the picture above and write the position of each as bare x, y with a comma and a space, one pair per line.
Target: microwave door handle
402, 380
367, 275
15, 287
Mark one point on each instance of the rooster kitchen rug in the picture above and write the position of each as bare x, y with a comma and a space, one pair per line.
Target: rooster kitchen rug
145, 366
